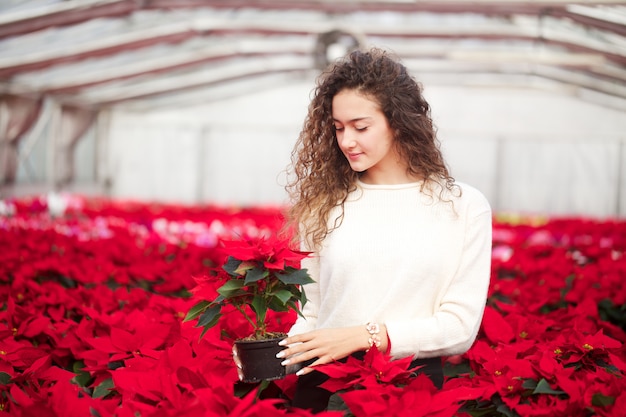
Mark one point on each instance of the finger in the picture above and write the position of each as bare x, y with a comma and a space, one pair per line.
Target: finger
287, 341
297, 358
297, 338
292, 369
236, 358
311, 367
291, 352
282, 354
301, 353
305, 370
293, 349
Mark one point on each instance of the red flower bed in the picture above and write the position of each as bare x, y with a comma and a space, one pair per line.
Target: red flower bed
93, 303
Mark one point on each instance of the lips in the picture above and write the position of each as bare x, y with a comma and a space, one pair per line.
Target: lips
354, 155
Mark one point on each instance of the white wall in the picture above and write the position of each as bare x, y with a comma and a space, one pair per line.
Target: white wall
230, 152
535, 151
529, 150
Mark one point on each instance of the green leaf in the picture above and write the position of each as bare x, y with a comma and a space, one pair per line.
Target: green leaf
613, 313
242, 389
283, 295
210, 317
262, 387
302, 297
501, 407
277, 305
244, 267
544, 388
103, 389
231, 265
67, 282
336, 403
82, 378
451, 370
295, 307
478, 408
504, 410
259, 306
296, 276
601, 400
529, 384
231, 288
196, 310
203, 332
5, 378
255, 274
568, 286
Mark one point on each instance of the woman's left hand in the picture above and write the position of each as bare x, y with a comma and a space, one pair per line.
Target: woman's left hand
326, 346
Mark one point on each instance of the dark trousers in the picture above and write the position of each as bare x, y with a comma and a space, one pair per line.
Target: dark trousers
310, 396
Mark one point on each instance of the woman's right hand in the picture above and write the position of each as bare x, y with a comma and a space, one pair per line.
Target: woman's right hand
325, 346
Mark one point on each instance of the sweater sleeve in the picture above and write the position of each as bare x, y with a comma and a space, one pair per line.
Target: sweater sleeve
454, 325
312, 292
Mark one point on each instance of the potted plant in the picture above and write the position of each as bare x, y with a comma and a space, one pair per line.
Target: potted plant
258, 276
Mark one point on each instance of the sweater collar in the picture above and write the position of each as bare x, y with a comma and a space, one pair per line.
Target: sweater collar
408, 185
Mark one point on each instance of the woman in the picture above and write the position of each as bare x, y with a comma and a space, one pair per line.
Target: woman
401, 252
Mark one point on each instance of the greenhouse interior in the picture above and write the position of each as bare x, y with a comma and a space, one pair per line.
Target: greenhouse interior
146, 145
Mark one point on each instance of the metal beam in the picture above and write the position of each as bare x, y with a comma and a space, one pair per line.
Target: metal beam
61, 14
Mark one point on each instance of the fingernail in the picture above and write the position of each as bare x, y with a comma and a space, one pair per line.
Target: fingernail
300, 372
280, 354
282, 342
285, 362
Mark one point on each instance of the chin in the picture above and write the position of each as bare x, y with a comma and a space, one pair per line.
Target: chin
358, 169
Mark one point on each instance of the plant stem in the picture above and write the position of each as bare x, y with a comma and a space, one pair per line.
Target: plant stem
242, 310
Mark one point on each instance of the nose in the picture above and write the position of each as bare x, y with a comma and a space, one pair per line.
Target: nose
346, 139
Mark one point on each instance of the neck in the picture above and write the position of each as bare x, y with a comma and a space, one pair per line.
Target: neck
388, 178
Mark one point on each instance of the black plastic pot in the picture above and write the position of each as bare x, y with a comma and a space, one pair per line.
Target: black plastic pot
258, 359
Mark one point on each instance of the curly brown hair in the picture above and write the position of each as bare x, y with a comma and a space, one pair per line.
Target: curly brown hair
320, 175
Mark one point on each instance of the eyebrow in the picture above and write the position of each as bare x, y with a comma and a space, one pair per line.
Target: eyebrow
356, 119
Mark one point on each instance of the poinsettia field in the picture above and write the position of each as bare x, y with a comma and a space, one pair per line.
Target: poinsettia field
94, 296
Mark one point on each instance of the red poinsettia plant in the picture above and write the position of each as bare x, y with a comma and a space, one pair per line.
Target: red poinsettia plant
260, 275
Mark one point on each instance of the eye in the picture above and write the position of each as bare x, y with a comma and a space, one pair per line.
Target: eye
338, 128
361, 129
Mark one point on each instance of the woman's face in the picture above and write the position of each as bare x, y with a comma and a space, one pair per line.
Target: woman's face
365, 138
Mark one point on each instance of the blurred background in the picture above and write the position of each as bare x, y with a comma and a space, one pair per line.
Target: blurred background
195, 102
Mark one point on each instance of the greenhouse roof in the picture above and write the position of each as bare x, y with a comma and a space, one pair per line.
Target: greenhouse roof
154, 53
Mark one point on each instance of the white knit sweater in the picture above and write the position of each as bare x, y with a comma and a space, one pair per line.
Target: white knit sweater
418, 265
